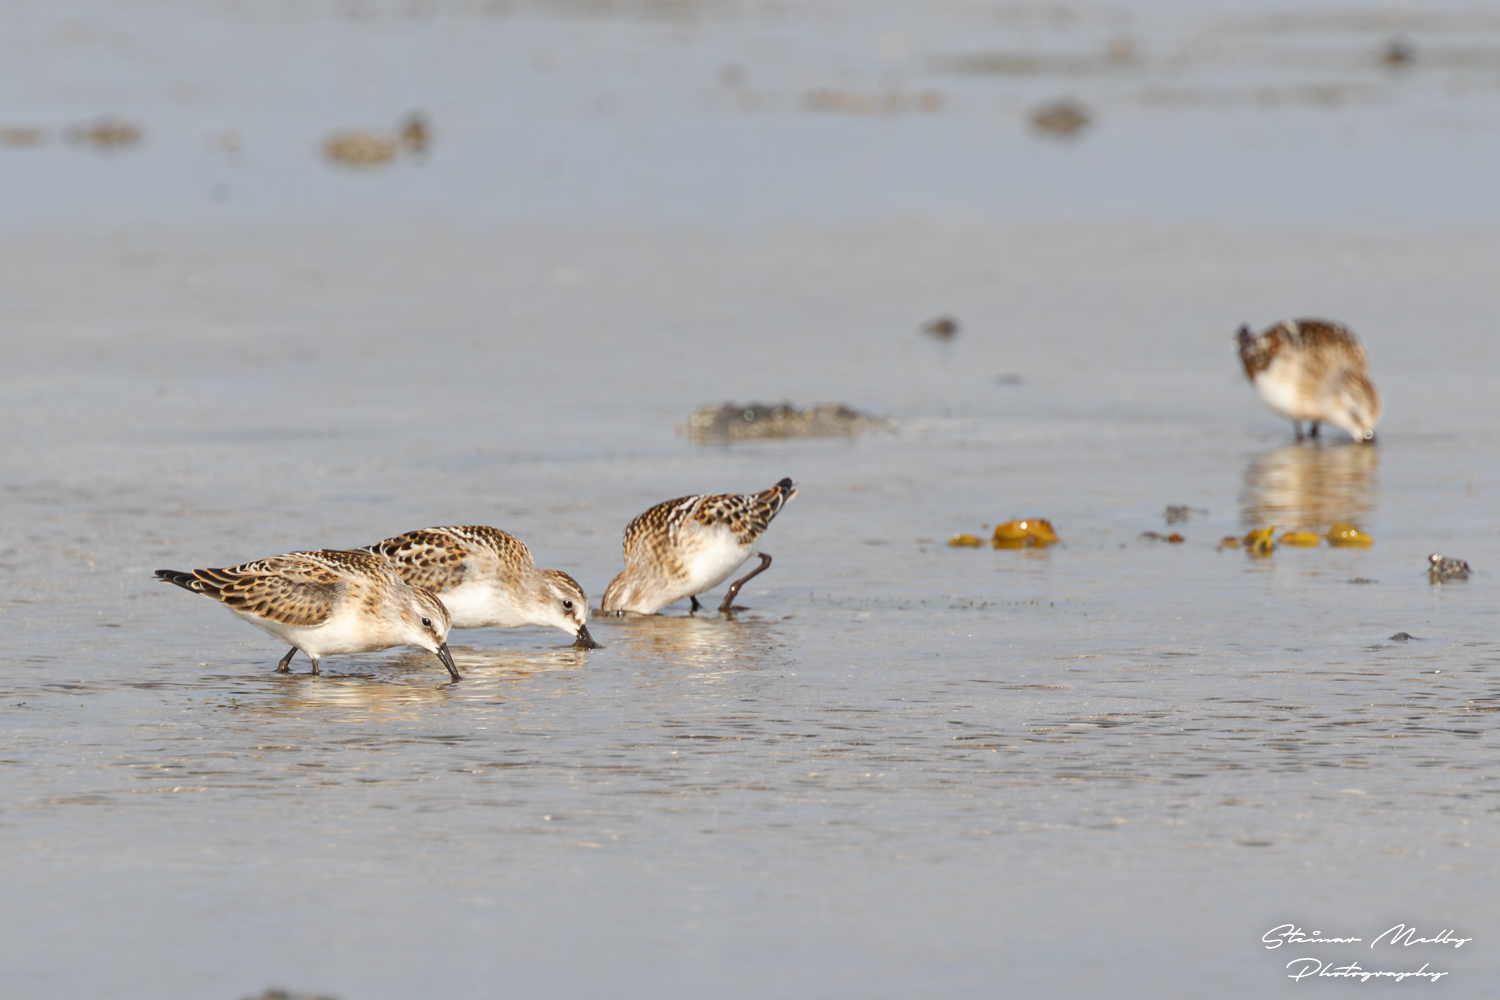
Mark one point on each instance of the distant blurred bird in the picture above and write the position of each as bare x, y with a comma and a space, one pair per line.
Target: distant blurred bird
1313, 370
1444, 570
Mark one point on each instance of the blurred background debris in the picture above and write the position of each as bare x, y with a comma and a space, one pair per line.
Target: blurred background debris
106, 135
22, 135
1441, 569
943, 328
1399, 51
363, 148
750, 421
416, 133
1064, 119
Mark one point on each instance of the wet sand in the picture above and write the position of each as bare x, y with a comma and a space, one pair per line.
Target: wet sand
907, 770
1106, 768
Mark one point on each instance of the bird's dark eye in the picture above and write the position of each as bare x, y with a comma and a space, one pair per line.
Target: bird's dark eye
568, 605
427, 623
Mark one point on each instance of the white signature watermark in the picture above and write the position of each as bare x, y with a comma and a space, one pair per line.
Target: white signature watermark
1400, 935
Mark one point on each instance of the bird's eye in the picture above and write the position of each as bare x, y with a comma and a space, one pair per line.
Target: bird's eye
568, 605
427, 623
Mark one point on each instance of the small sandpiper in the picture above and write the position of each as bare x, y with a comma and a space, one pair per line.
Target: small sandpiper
686, 546
487, 579
1441, 569
1313, 370
326, 602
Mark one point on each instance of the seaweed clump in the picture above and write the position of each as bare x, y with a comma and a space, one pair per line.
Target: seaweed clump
753, 421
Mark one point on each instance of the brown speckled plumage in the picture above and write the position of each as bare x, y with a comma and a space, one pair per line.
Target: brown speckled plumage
1327, 342
664, 545
299, 588
1314, 370
443, 558
488, 579
326, 602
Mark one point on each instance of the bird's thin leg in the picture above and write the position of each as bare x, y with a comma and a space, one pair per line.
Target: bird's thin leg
696, 605
285, 665
734, 588
315, 664
1297, 426
1314, 431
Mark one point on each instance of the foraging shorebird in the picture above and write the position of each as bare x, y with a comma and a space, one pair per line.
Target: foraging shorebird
487, 579
325, 603
686, 546
1314, 370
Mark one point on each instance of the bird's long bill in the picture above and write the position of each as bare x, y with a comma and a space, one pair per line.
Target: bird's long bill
585, 641
447, 658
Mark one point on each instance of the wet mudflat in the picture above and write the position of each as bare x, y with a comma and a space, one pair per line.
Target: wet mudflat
906, 770
1104, 768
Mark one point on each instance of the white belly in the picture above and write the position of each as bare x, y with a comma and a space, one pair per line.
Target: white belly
347, 632
1279, 390
711, 557
481, 605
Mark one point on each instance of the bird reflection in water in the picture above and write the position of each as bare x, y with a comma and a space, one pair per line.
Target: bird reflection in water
400, 689
693, 641
1299, 486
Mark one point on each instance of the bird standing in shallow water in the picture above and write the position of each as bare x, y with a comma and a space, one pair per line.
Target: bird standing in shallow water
686, 546
1313, 370
487, 579
325, 603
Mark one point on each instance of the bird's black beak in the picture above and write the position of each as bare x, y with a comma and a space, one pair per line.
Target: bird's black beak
447, 658
585, 641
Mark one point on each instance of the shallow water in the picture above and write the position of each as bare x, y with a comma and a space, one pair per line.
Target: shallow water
1102, 769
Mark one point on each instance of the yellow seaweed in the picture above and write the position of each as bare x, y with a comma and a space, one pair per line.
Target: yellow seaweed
1021, 534
1302, 539
964, 542
1261, 542
1348, 536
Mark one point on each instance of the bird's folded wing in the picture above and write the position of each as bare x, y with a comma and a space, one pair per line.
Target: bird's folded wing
283, 589
426, 559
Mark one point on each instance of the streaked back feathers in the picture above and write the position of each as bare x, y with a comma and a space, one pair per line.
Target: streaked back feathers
747, 516
299, 588
488, 577
443, 558
1312, 337
1315, 370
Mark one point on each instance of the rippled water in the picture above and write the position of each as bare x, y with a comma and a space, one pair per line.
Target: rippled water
1102, 769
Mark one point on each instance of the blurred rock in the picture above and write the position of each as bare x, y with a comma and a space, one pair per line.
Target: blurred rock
943, 328
416, 133
1399, 51
22, 135
750, 421
107, 135
361, 149
1063, 119
1441, 569
892, 102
